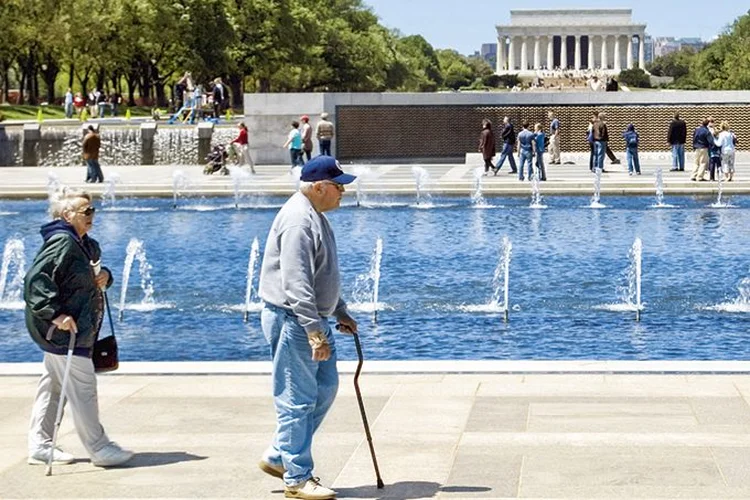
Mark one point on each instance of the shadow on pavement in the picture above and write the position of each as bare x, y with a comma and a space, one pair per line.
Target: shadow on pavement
406, 490
154, 459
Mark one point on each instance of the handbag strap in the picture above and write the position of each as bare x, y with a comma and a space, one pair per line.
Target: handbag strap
109, 313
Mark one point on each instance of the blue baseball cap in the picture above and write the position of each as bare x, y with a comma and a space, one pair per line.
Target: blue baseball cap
325, 168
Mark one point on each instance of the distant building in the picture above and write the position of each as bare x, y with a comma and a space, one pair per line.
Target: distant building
668, 44
539, 39
488, 52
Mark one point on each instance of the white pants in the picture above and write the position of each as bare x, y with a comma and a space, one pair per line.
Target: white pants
243, 152
80, 394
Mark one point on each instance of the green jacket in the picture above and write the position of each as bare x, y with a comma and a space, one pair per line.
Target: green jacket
61, 281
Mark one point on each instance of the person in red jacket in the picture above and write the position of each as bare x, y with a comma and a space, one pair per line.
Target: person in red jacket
241, 148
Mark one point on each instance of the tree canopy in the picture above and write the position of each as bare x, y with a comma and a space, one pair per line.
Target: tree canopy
141, 47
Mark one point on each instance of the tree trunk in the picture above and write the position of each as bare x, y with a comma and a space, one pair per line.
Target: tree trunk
235, 84
264, 85
131, 79
21, 84
100, 80
71, 75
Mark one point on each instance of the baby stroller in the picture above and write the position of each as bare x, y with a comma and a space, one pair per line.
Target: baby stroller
217, 160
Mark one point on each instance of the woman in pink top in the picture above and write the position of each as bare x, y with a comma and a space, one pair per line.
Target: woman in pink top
240, 147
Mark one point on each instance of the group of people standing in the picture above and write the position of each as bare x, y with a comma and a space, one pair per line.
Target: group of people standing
97, 101
714, 149
299, 141
188, 94
530, 144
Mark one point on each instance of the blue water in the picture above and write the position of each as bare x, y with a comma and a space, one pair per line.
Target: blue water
567, 264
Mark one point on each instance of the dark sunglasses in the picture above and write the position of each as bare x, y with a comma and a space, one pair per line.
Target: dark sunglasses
88, 212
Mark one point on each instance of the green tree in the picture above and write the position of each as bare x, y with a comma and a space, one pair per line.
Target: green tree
456, 70
635, 77
675, 64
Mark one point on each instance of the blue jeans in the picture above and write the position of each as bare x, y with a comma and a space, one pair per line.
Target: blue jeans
69, 110
600, 149
541, 172
325, 147
94, 171
296, 156
303, 392
506, 153
523, 158
633, 163
678, 156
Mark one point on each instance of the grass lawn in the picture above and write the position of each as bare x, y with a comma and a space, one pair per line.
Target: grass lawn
29, 112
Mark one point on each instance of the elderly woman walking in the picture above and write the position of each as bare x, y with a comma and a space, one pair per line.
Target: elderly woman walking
63, 294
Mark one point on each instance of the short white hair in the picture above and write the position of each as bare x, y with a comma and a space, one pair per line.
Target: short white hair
306, 186
64, 199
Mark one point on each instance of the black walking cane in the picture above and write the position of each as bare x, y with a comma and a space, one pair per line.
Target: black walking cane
362, 410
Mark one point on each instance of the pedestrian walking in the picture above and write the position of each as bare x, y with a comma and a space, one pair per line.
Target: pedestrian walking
91, 145
324, 131
508, 136
241, 147
68, 103
63, 295
601, 139
487, 145
294, 143
676, 138
307, 144
300, 287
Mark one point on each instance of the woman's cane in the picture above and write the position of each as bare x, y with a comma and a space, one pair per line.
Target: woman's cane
58, 419
362, 409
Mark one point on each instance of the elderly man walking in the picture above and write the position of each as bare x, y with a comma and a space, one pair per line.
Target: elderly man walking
300, 287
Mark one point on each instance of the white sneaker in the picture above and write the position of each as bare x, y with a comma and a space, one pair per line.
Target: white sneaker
111, 455
41, 456
309, 490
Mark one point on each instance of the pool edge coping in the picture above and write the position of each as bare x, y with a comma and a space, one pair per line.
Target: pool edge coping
379, 367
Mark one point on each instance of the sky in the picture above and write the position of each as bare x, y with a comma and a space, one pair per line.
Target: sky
464, 25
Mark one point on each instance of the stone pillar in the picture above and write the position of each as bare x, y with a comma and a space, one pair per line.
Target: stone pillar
550, 52
511, 55
578, 52
148, 132
524, 55
642, 52
537, 55
604, 52
629, 58
563, 51
32, 135
500, 67
591, 51
205, 131
618, 55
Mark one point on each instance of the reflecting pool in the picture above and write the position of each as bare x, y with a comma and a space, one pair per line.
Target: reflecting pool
568, 277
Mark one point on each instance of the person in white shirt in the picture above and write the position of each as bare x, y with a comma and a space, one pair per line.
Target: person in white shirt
727, 141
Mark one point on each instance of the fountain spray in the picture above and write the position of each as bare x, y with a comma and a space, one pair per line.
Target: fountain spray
251, 263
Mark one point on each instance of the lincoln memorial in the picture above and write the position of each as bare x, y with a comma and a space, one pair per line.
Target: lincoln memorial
598, 39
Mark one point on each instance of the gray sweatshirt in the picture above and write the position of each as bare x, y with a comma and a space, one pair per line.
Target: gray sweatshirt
300, 268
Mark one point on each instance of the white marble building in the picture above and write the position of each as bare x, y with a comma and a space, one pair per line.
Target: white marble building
600, 39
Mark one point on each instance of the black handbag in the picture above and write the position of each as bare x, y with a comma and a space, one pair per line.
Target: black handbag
105, 355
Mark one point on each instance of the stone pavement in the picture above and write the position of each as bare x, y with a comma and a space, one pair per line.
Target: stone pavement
449, 179
444, 435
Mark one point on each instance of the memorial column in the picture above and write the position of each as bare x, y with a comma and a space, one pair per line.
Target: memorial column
591, 52
563, 51
524, 54
500, 54
617, 53
605, 62
512, 54
537, 55
577, 60
641, 52
629, 58
550, 52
